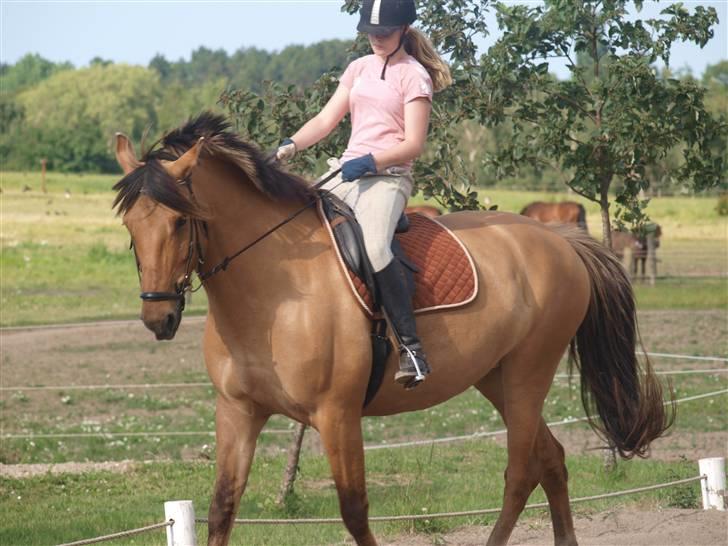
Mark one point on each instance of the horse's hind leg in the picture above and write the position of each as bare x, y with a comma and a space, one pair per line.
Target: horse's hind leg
554, 480
238, 424
342, 438
534, 456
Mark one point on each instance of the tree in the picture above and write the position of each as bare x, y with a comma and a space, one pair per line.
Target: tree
72, 115
28, 71
606, 125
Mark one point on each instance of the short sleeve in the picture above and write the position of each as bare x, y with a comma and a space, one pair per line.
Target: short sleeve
347, 78
417, 84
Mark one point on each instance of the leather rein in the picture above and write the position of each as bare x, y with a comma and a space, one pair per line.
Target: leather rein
195, 247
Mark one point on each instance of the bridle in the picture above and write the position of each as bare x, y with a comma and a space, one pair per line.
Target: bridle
194, 248
197, 227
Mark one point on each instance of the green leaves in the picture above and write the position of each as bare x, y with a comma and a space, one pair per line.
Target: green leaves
616, 117
611, 123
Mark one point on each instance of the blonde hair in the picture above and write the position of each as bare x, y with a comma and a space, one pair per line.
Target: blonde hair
419, 46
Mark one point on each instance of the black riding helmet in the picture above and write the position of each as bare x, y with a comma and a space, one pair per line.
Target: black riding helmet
382, 17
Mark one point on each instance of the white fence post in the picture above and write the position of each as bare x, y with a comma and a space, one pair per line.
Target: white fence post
182, 533
713, 488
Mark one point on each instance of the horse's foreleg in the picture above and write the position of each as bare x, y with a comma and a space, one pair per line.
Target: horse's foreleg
238, 424
342, 438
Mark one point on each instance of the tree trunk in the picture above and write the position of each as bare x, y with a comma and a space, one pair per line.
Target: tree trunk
606, 224
294, 454
604, 205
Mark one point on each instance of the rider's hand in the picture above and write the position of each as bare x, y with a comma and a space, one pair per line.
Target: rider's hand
286, 150
356, 168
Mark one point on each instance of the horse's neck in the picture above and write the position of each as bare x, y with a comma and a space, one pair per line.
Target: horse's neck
240, 214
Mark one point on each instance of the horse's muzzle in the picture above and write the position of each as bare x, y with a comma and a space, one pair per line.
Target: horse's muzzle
165, 325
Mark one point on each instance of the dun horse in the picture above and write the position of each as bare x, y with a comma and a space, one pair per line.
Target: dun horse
566, 212
284, 335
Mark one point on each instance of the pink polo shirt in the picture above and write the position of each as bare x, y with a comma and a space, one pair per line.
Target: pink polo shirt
377, 106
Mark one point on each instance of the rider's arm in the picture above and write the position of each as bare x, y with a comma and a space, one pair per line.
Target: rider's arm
416, 121
319, 127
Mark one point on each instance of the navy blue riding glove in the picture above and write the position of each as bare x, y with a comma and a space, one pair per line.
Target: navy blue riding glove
356, 168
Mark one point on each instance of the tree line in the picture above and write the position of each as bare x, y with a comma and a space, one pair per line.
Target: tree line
68, 115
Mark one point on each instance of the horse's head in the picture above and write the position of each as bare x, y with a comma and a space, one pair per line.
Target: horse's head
157, 207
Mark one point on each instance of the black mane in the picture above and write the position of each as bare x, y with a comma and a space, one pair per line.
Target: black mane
153, 180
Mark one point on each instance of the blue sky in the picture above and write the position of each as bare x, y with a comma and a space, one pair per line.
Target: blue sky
133, 31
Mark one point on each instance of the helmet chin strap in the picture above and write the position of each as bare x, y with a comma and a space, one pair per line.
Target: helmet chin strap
386, 62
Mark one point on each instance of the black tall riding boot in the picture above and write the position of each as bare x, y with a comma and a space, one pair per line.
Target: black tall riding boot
393, 291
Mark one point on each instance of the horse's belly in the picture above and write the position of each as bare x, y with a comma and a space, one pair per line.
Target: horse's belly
461, 349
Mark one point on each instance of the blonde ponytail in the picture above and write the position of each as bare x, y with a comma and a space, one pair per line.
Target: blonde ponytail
419, 46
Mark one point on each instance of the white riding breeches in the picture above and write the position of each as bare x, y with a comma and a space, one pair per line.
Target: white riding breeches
377, 201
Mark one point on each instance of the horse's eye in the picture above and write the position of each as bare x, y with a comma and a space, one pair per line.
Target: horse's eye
180, 222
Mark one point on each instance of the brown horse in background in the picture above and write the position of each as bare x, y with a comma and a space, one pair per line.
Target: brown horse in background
566, 212
285, 335
427, 210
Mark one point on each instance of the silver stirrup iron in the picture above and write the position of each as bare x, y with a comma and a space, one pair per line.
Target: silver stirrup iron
420, 376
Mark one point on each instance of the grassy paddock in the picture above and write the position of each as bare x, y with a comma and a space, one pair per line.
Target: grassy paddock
58, 183
412, 481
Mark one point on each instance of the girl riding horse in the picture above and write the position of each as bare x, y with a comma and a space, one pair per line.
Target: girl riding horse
388, 94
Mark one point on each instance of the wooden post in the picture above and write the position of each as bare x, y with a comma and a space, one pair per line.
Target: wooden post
43, 175
629, 263
182, 532
652, 256
294, 454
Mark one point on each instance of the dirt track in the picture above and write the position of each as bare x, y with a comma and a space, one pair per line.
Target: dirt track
613, 528
55, 355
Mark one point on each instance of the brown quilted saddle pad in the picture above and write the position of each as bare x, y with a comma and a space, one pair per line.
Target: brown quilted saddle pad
446, 276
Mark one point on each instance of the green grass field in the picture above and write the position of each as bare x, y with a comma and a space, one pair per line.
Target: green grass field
410, 481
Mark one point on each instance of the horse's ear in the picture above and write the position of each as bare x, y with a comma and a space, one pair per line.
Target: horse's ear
125, 154
182, 167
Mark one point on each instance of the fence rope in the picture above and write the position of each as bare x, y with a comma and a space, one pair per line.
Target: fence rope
120, 534
662, 372
464, 513
688, 357
113, 386
474, 435
128, 434
369, 447
108, 387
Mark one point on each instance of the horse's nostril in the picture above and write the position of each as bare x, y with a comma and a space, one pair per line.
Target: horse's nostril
169, 323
